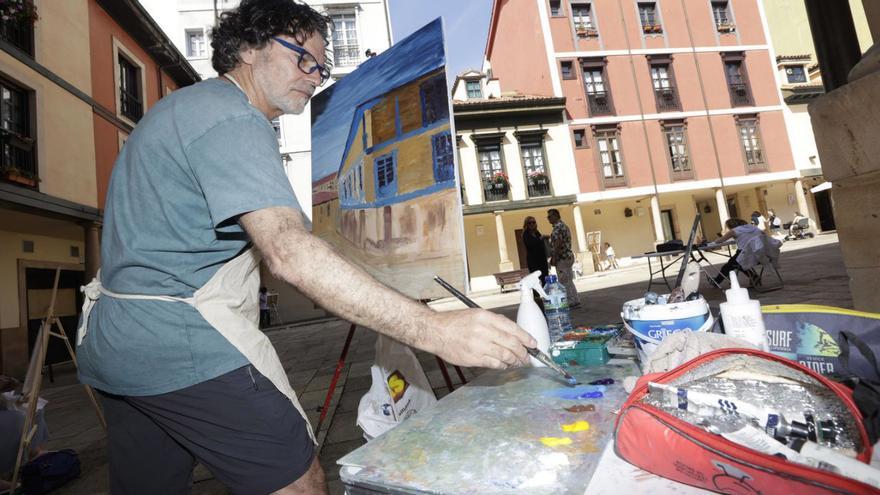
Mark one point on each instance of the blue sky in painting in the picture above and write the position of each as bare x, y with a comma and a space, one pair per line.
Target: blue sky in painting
333, 109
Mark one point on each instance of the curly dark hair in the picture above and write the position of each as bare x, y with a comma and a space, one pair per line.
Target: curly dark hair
253, 24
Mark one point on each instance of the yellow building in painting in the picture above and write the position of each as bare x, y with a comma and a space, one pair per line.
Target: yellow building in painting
393, 202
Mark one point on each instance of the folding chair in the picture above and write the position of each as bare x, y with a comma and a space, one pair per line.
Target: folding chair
756, 277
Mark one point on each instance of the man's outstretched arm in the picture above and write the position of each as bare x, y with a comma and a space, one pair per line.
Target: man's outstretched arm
471, 337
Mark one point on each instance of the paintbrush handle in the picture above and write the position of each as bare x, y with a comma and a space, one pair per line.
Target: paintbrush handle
452, 290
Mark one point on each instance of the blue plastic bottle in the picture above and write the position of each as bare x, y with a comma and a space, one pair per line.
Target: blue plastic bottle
556, 309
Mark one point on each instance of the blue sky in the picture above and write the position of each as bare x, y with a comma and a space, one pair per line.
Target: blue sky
466, 27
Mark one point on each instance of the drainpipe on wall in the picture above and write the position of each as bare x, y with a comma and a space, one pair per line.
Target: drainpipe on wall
723, 213
655, 199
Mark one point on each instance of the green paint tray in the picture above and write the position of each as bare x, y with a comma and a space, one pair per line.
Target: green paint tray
592, 351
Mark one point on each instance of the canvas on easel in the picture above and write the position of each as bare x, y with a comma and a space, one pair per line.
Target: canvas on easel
33, 382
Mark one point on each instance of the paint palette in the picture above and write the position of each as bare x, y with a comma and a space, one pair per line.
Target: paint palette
520, 430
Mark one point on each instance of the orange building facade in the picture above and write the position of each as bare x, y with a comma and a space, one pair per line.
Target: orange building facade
672, 107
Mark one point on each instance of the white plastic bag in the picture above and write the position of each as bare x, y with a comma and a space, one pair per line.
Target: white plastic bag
399, 390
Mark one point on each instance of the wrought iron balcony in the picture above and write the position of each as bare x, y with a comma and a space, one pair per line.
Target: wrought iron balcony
130, 105
600, 103
17, 159
667, 100
539, 185
755, 159
495, 191
739, 95
19, 32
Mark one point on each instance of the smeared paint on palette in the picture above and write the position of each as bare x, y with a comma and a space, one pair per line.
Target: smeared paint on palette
486, 437
576, 426
555, 441
578, 393
581, 408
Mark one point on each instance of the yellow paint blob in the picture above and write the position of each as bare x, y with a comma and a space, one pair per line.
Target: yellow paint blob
576, 426
555, 441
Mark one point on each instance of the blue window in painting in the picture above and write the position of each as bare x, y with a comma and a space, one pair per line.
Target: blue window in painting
435, 102
444, 166
386, 176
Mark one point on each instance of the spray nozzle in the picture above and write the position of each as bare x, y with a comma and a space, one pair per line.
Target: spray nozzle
532, 281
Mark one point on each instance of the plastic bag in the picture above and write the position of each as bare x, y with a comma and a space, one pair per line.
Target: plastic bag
399, 390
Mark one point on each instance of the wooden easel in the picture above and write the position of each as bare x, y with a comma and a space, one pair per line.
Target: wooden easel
33, 381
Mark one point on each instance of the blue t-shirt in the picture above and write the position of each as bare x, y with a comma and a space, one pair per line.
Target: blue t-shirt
198, 159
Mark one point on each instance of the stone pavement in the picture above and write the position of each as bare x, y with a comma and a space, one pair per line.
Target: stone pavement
813, 271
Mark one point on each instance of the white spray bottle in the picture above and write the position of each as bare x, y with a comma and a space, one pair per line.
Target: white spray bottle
742, 316
529, 316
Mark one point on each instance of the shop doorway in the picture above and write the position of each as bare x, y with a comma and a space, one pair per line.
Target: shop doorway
825, 210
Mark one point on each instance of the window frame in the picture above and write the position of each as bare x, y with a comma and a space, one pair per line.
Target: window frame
572, 74
534, 140
488, 144
792, 67
652, 28
439, 108
665, 61
587, 29
479, 90
559, 10
669, 129
594, 96
751, 122
347, 60
23, 139
389, 188
746, 100
585, 141
601, 133
722, 27
120, 50
186, 36
448, 154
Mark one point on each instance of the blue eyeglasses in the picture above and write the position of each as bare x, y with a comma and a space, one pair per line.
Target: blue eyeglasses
306, 61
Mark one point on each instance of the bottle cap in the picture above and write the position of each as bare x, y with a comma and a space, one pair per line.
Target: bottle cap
736, 294
551, 279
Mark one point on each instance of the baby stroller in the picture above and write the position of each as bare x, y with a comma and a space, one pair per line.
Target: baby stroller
799, 230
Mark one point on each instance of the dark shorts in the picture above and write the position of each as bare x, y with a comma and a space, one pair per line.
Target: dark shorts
246, 432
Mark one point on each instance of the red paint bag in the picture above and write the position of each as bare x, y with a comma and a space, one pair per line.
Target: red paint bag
667, 446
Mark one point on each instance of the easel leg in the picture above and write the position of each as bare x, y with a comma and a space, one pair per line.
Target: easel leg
32, 395
445, 373
339, 365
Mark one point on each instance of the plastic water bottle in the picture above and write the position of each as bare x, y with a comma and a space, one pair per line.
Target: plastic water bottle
556, 309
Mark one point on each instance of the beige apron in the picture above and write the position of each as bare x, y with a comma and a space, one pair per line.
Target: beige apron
229, 301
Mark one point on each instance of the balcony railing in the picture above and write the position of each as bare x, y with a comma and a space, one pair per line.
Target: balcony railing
539, 185
17, 159
346, 55
495, 191
19, 32
681, 168
667, 100
130, 105
600, 103
755, 159
739, 95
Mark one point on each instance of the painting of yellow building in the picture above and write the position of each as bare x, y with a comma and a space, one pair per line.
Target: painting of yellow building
384, 191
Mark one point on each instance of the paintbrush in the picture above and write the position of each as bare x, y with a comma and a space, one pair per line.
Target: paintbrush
533, 351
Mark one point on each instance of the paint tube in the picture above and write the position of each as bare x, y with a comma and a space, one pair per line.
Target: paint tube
706, 404
800, 451
832, 460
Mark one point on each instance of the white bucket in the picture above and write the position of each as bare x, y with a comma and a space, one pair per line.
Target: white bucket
651, 323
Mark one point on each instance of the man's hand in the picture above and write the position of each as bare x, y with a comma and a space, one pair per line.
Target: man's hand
476, 337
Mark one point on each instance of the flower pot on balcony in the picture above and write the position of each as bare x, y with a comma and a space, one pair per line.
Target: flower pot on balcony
725, 28
13, 176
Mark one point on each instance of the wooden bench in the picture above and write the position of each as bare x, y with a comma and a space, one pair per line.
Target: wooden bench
509, 278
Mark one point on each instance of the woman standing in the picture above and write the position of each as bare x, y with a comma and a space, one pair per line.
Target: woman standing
536, 254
